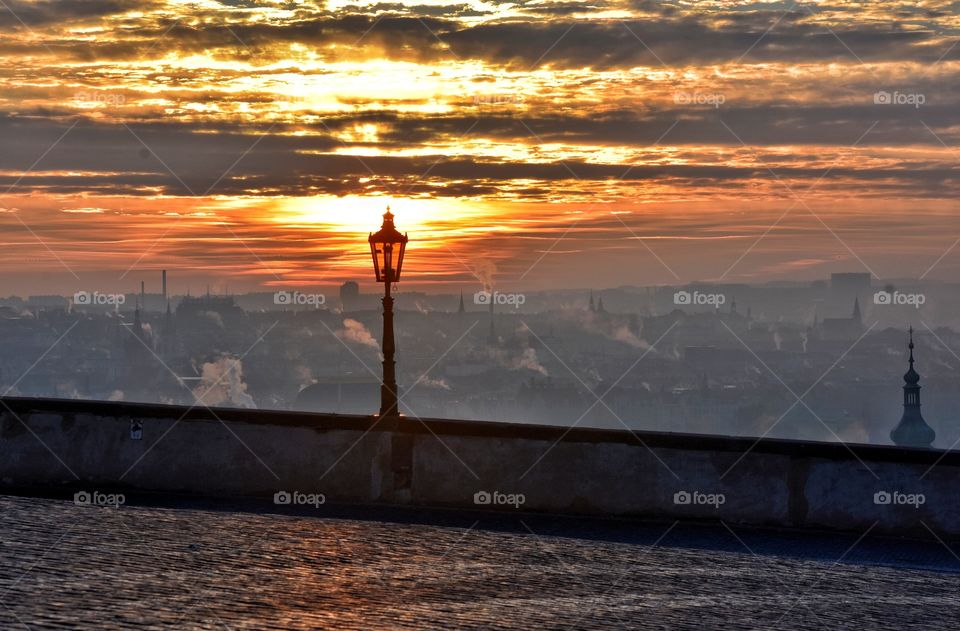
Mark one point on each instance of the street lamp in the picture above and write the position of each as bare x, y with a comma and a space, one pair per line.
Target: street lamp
387, 247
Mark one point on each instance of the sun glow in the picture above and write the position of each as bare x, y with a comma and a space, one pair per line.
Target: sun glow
427, 218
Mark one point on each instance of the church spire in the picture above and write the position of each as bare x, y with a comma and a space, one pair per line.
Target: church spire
856, 313
137, 324
462, 308
911, 376
912, 431
592, 305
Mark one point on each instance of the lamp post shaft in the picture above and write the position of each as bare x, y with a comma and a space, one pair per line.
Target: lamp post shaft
387, 247
388, 389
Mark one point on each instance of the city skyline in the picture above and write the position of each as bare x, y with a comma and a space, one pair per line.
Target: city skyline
487, 314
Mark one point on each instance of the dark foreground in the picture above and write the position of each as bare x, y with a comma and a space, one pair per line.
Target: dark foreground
179, 564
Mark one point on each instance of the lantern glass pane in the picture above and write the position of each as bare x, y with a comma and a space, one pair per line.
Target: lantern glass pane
403, 249
388, 261
375, 254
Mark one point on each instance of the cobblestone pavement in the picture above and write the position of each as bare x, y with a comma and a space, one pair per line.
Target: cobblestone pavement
184, 566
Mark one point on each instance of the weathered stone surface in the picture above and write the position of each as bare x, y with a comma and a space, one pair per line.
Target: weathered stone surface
443, 463
67, 566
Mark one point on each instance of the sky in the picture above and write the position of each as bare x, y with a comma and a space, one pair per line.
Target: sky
253, 144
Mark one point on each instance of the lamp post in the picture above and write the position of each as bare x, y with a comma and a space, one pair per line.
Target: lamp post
387, 247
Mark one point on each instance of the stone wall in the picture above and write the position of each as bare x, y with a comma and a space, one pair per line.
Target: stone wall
83, 445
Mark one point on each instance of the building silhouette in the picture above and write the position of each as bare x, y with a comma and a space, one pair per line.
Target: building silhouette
349, 295
837, 329
912, 431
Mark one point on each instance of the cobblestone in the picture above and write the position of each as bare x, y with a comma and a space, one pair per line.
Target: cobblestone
67, 566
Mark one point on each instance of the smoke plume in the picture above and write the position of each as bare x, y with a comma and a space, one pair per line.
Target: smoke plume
221, 382
485, 271
354, 331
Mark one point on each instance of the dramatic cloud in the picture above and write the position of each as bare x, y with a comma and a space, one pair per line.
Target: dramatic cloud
258, 140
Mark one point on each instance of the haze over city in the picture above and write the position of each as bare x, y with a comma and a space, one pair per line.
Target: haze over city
480, 314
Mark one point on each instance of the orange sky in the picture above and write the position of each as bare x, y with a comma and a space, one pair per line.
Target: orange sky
253, 144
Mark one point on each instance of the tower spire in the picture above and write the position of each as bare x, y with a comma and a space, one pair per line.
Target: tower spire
910, 346
912, 431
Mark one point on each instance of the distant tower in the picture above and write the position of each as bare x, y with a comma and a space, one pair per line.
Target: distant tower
137, 325
600, 308
592, 306
492, 336
168, 336
733, 306
134, 349
912, 431
163, 277
349, 295
856, 315
704, 383
462, 308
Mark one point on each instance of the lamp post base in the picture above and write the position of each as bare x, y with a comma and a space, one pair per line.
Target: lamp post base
390, 422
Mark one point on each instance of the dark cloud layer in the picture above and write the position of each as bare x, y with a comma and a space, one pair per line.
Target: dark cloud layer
17, 13
199, 147
433, 34
111, 160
